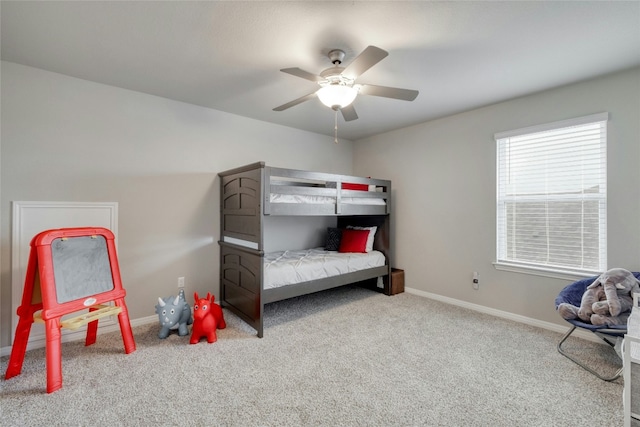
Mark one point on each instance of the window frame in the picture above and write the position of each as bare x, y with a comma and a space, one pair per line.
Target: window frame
562, 272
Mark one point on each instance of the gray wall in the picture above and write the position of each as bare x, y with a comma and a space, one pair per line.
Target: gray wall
66, 139
443, 174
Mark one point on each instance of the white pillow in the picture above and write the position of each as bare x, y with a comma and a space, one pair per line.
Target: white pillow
372, 235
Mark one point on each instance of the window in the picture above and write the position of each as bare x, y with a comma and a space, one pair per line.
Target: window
552, 196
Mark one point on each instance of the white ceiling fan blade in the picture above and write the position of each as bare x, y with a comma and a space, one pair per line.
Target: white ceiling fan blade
295, 102
303, 74
367, 59
389, 92
349, 113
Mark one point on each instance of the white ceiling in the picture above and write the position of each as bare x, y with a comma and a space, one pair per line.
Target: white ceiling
227, 55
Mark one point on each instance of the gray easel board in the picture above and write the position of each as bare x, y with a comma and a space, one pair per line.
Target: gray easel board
81, 267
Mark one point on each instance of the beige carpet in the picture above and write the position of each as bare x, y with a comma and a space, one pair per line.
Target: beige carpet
345, 357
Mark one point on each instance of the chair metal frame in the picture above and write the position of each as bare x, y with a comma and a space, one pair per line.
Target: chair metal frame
608, 335
572, 294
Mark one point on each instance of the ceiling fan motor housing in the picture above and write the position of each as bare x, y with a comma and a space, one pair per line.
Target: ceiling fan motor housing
336, 56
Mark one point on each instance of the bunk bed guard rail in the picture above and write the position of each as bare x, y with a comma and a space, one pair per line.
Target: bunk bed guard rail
297, 192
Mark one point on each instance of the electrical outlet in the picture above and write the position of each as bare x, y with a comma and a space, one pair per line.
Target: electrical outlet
181, 282
476, 280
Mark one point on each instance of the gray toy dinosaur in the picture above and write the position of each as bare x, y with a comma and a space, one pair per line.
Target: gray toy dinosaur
174, 313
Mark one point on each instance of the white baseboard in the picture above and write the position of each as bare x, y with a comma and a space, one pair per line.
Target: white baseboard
5, 351
506, 315
80, 335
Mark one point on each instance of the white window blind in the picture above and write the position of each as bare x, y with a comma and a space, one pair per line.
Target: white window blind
552, 196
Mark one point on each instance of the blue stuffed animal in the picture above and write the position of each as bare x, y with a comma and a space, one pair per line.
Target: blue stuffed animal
174, 313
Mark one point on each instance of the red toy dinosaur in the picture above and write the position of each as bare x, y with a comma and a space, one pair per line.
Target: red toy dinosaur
207, 317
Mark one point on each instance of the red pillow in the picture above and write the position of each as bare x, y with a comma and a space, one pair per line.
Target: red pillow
351, 186
353, 240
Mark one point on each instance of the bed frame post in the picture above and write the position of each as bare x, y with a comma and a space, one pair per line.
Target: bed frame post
262, 211
241, 242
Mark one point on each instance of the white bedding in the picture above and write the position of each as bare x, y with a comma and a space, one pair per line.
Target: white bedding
290, 267
321, 200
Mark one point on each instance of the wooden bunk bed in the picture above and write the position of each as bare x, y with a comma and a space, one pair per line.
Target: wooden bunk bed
251, 193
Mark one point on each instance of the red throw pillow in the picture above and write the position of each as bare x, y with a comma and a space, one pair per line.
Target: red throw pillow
351, 186
354, 240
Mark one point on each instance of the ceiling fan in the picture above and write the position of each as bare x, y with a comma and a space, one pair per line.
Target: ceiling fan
338, 87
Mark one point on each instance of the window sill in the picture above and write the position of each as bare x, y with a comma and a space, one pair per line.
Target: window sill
544, 271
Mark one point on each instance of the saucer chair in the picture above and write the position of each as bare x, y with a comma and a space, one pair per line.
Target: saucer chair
572, 294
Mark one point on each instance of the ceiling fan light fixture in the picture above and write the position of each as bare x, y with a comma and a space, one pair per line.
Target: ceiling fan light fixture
338, 87
337, 96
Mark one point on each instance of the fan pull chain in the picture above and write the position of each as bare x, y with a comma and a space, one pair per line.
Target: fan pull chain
335, 128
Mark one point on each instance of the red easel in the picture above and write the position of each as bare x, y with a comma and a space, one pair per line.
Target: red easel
40, 301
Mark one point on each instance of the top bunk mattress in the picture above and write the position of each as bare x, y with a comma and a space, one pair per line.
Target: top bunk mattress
290, 267
322, 200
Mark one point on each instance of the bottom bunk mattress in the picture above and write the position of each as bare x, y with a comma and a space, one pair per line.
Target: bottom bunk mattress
290, 267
